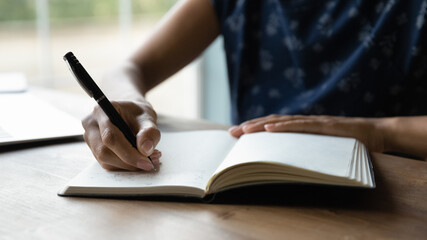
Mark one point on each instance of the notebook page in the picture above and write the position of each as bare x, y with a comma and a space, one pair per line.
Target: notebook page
366, 168
188, 159
323, 154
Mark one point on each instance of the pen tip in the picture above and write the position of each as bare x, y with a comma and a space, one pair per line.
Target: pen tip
153, 168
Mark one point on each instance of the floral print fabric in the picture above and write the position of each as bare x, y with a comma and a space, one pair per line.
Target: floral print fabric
351, 58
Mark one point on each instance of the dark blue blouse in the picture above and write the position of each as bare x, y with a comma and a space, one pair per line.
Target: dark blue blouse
351, 58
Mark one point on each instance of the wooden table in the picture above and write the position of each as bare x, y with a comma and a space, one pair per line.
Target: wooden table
31, 175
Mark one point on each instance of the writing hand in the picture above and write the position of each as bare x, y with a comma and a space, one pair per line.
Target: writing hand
111, 148
366, 130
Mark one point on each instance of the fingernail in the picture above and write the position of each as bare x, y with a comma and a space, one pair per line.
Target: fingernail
156, 154
233, 129
246, 127
144, 165
148, 147
156, 161
269, 126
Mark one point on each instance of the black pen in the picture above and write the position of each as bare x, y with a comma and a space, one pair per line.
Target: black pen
90, 87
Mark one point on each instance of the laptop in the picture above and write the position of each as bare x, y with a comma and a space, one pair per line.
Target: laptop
26, 118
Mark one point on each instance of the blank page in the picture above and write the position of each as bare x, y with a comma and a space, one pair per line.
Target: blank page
322, 154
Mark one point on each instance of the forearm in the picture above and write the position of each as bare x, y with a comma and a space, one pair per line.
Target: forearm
177, 40
405, 135
182, 35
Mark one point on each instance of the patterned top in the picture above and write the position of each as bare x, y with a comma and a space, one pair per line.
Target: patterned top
351, 58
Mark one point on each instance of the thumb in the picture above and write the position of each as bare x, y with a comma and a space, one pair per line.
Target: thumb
147, 137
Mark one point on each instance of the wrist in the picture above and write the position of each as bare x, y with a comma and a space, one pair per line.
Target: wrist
121, 83
136, 75
130, 68
386, 128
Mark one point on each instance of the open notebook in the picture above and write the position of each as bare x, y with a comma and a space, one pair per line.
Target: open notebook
199, 163
26, 118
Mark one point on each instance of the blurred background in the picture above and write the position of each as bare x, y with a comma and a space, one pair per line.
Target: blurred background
35, 34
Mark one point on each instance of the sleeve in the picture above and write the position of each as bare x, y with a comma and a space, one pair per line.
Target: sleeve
223, 9
216, 4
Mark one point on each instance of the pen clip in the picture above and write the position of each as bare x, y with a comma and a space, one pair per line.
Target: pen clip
73, 64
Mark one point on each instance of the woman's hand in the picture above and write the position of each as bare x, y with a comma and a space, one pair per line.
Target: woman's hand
111, 148
367, 130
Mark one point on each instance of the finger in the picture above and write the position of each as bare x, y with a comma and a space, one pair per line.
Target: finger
255, 120
317, 126
146, 113
144, 126
155, 161
147, 137
257, 125
156, 153
106, 158
113, 138
155, 157
236, 131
